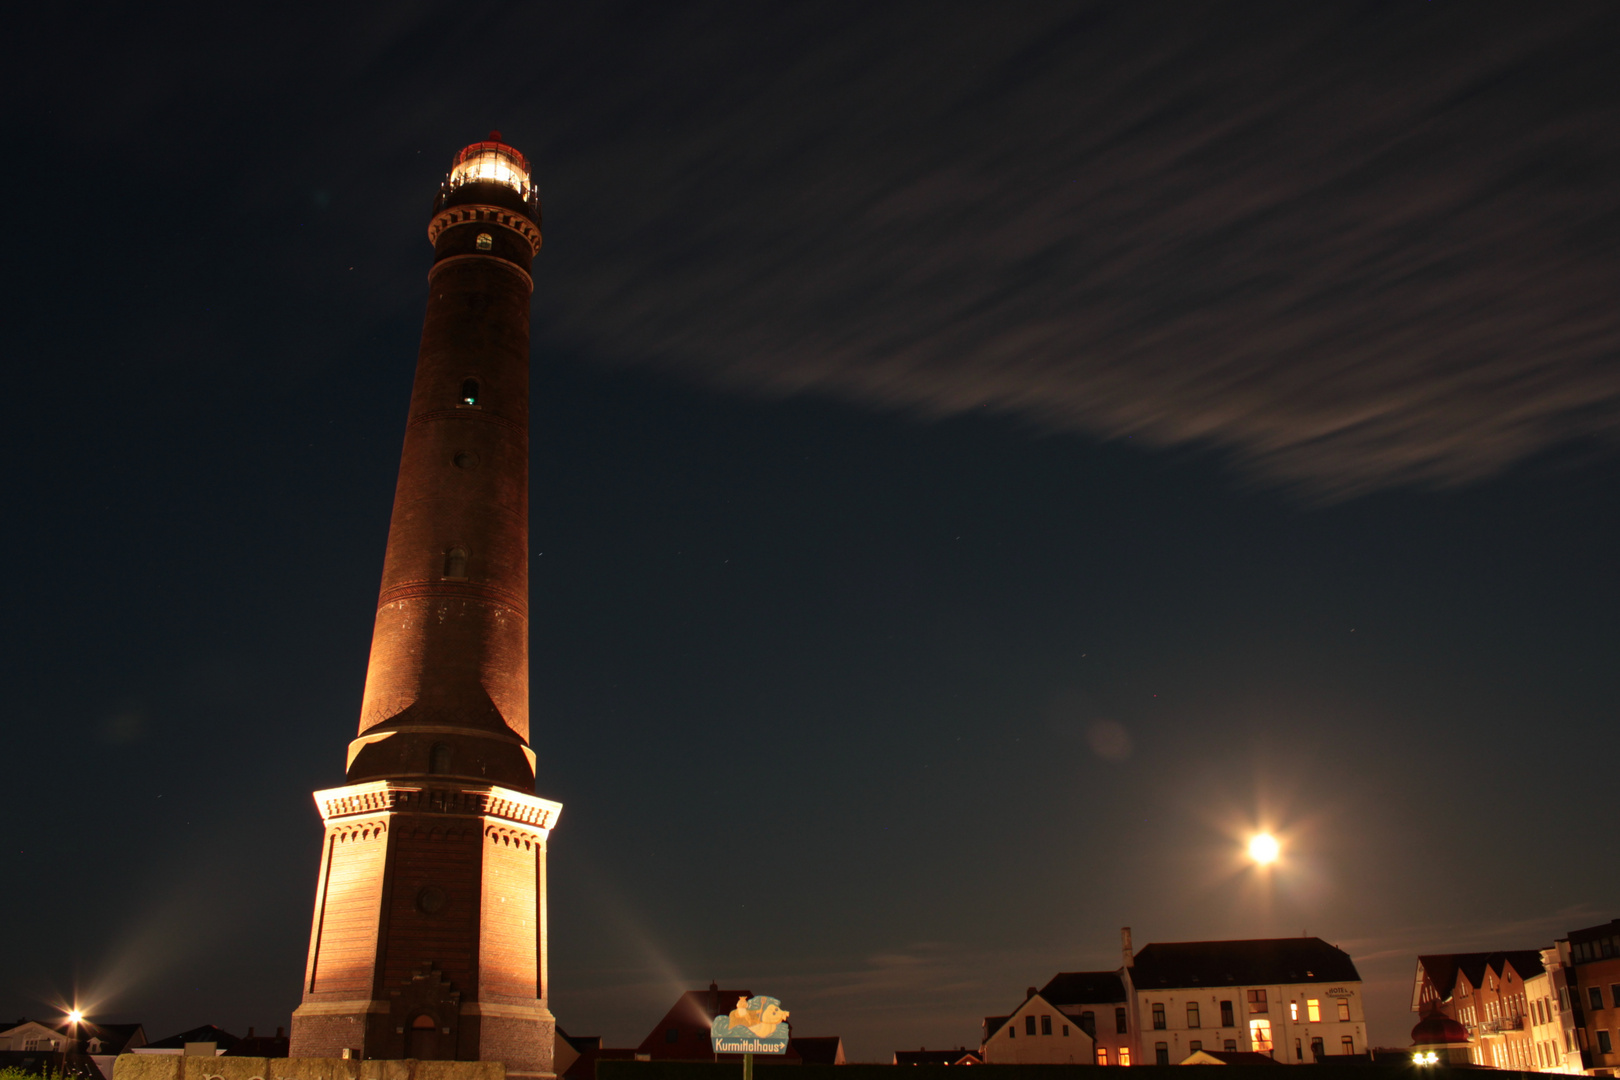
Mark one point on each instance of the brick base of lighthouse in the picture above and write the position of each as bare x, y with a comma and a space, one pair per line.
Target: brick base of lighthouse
429, 939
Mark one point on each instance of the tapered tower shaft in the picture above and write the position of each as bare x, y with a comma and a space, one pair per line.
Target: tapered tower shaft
429, 938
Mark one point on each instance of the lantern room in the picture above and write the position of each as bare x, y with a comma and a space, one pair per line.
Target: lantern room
492, 162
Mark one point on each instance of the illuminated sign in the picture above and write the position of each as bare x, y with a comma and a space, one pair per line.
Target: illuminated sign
758, 1025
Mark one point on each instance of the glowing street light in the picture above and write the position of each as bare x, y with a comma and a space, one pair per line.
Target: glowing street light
1264, 849
75, 1016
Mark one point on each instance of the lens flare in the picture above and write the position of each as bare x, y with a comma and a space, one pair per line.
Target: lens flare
1264, 849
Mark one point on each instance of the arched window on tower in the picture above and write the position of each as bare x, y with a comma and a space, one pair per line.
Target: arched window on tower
485, 241
455, 564
469, 392
439, 759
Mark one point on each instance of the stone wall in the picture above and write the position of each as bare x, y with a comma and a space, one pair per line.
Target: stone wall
178, 1067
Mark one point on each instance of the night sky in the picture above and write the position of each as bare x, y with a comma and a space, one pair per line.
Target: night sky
987, 460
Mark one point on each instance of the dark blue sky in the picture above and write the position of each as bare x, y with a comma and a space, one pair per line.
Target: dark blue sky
981, 468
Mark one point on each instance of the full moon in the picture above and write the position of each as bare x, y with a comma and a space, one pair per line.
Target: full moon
1263, 849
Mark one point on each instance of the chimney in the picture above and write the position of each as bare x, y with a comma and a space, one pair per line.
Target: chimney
250, 1032
1125, 946
281, 1033
1029, 993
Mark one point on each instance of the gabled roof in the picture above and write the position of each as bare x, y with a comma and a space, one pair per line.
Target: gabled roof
115, 1038
819, 1049
690, 1019
206, 1033
1443, 969
1241, 963
1228, 1057
959, 1056
1085, 988
993, 1024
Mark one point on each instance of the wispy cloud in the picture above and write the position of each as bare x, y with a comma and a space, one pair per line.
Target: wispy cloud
1352, 247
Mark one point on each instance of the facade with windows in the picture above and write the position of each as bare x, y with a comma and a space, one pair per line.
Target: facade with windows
1554, 1010
1097, 1000
1295, 1000
1489, 995
1036, 1033
1551, 1024
1592, 970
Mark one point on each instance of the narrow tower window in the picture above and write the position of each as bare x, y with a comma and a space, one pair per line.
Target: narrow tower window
455, 564
485, 241
469, 392
439, 759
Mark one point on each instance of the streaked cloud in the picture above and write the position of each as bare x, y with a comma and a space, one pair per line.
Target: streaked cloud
1353, 247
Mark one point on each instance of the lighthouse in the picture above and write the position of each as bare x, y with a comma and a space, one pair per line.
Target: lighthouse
429, 935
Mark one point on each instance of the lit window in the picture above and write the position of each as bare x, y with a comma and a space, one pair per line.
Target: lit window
1293, 1010
455, 564
1192, 1014
1161, 1053
469, 391
1344, 1009
1313, 1010
1158, 1016
1260, 1036
1257, 1001
1124, 1055
1046, 1025
1102, 1055
485, 241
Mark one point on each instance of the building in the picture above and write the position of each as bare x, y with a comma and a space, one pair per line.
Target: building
429, 937
265, 1046
1486, 993
818, 1049
1553, 1041
1035, 1033
960, 1056
84, 1037
1437, 1039
1591, 966
1100, 1005
1227, 1057
683, 1034
1296, 1000
1293, 1000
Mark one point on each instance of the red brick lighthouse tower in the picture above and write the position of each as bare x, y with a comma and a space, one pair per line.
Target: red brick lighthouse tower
429, 939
